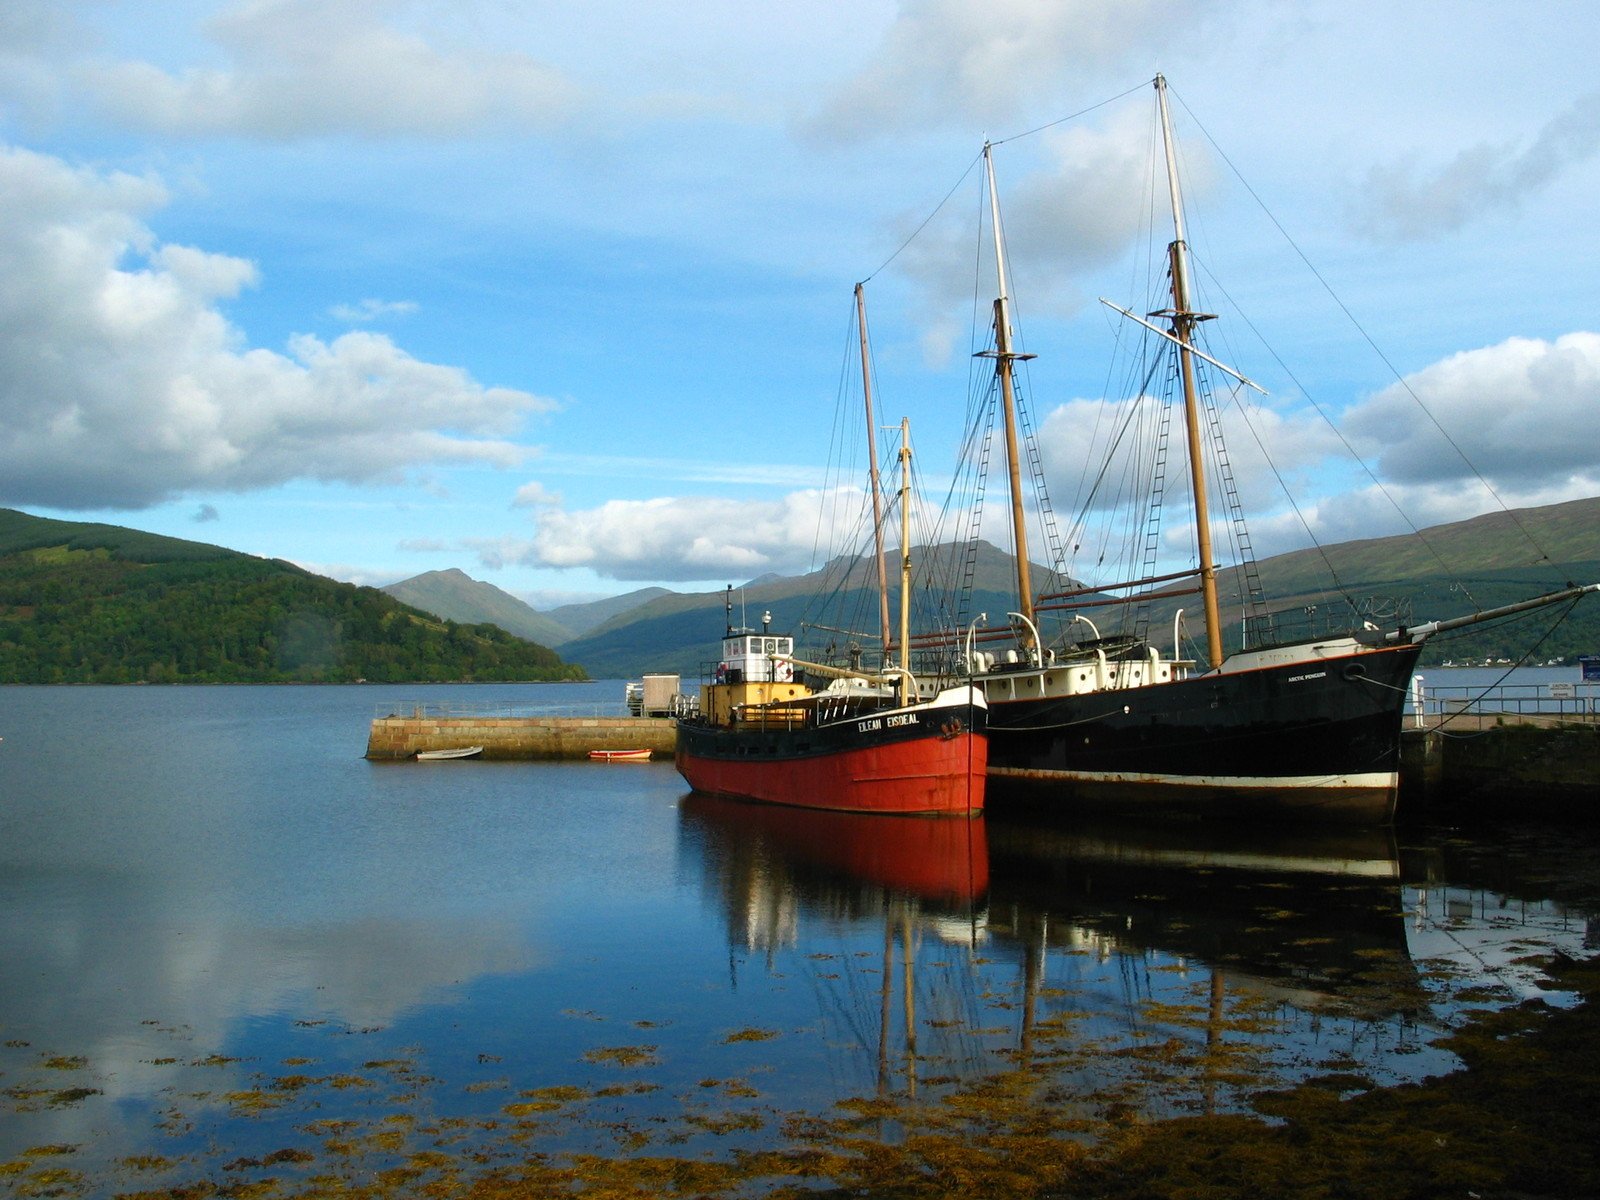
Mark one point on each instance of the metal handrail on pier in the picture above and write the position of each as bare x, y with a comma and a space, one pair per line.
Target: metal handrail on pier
1514, 703
490, 709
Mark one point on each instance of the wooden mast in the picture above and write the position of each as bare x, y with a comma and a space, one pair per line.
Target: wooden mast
877, 489
1004, 359
905, 559
1183, 322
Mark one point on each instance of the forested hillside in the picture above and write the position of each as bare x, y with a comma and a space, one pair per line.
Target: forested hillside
86, 603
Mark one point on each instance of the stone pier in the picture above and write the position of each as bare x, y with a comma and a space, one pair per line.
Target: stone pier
1494, 764
397, 737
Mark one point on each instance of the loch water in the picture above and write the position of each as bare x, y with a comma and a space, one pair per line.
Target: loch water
231, 947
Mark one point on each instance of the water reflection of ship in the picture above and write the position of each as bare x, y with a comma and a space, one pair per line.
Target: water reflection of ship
769, 859
1314, 920
1486, 905
1193, 933
916, 876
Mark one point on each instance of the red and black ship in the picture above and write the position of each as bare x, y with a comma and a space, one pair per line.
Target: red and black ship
853, 746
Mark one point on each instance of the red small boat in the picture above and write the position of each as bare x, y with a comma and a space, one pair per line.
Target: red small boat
620, 755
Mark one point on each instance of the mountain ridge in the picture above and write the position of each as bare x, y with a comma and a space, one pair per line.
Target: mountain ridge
454, 595
655, 629
681, 632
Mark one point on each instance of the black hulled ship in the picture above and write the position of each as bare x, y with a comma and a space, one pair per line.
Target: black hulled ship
1264, 724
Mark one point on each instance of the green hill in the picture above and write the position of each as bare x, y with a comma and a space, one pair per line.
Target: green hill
1455, 569
456, 596
20, 532
583, 619
1567, 533
86, 603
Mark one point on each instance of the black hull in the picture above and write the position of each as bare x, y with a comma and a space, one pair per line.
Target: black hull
1314, 739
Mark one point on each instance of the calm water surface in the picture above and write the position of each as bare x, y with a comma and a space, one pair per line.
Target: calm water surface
227, 940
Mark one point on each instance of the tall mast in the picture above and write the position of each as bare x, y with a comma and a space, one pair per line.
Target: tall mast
877, 489
905, 554
1183, 322
1004, 360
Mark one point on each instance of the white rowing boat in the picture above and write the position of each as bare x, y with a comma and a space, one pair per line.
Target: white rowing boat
442, 755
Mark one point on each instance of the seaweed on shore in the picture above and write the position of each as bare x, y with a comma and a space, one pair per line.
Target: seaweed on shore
1516, 1120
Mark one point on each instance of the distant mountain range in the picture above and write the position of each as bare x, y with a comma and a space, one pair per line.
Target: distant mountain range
83, 602
457, 596
580, 619
654, 629
1445, 571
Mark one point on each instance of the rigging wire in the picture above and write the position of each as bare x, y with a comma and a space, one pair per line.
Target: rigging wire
977, 158
1327, 420
1376, 349
917, 232
1138, 87
974, 452
1119, 328
1561, 619
844, 516
844, 605
834, 472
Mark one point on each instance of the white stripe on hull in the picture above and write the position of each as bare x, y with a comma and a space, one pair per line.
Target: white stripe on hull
1366, 781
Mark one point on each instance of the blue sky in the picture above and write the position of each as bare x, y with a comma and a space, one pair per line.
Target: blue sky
559, 294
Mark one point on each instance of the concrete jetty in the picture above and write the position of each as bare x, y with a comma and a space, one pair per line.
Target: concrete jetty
395, 737
1484, 764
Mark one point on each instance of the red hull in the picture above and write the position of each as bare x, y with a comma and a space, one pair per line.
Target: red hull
935, 774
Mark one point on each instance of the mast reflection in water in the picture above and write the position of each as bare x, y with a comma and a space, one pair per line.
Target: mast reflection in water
916, 876
1086, 953
1240, 958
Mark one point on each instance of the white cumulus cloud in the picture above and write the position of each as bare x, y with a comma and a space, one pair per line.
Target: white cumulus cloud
1522, 412
679, 538
372, 309
123, 385
535, 495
